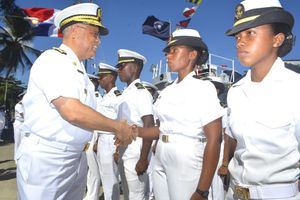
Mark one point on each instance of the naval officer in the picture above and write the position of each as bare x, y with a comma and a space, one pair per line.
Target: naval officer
59, 111
263, 107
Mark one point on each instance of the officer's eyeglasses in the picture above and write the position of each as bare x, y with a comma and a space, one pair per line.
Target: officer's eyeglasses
96, 34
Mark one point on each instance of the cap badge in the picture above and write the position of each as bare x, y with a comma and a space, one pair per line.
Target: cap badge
99, 13
239, 11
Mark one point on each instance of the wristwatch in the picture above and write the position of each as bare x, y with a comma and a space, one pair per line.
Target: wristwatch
202, 193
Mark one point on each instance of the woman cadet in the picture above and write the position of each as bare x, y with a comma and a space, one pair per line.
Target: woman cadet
263, 107
190, 124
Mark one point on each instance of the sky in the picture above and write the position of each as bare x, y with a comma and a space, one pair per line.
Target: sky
124, 19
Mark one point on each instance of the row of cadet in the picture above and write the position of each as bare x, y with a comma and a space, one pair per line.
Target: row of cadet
262, 122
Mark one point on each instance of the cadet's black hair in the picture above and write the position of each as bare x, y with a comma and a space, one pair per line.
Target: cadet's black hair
288, 42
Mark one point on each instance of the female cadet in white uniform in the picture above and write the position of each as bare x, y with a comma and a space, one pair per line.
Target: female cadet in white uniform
59, 115
108, 107
263, 107
190, 124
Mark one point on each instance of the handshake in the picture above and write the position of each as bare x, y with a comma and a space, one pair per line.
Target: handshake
125, 133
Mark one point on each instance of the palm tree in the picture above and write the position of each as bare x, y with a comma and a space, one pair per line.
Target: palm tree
15, 37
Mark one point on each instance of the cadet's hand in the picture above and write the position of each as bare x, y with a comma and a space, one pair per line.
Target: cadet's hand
141, 166
116, 156
197, 196
125, 133
223, 171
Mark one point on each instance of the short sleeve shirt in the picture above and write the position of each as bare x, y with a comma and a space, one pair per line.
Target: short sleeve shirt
56, 74
264, 118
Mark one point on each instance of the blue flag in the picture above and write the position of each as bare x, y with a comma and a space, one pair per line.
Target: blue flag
157, 28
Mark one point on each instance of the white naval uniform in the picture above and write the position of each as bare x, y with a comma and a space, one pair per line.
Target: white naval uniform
50, 161
93, 177
183, 109
108, 168
19, 119
135, 103
264, 118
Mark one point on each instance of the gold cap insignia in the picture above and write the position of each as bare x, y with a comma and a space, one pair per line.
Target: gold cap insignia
239, 11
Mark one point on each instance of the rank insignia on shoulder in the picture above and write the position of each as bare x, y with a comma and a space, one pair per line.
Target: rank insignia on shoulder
294, 68
117, 92
81, 72
200, 77
139, 86
59, 50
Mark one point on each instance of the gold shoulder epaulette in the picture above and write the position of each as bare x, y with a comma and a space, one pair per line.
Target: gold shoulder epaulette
201, 77
59, 50
139, 86
117, 92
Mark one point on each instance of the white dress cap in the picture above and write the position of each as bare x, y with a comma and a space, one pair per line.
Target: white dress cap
126, 56
104, 66
255, 4
186, 32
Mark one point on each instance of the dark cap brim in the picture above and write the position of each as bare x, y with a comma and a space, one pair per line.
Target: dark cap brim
276, 16
186, 41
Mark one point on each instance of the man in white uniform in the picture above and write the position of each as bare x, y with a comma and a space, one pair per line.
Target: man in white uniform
136, 107
59, 112
108, 107
93, 176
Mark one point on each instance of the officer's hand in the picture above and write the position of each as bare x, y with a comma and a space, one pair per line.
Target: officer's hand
141, 166
223, 171
125, 133
197, 196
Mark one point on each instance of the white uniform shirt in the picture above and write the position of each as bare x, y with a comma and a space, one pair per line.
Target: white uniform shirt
264, 118
185, 107
134, 104
108, 106
56, 74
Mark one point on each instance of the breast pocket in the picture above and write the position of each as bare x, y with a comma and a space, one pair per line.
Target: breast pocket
274, 132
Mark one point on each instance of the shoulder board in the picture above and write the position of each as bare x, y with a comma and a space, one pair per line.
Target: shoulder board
97, 94
59, 50
201, 78
81, 72
117, 92
139, 86
294, 68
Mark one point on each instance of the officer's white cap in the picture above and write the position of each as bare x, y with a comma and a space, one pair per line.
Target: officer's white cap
106, 69
92, 76
149, 85
127, 56
88, 13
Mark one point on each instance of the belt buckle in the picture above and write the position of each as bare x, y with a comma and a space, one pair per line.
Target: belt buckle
86, 146
242, 193
165, 138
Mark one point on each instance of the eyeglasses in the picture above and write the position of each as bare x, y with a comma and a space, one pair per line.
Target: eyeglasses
96, 34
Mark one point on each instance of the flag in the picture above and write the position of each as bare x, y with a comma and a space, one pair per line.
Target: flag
45, 25
184, 23
189, 12
157, 28
197, 2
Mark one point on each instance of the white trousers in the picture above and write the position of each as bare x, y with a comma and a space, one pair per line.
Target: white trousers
137, 187
177, 168
108, 168
49, 173
18, 135
93, 177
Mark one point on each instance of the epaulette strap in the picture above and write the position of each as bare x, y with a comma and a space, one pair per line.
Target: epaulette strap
117, 92
201, 77
139, 86
59, 50
294, 68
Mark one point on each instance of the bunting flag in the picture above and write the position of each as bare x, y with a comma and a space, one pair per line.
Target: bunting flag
157, 28
45, 25
189, 12
184, 23
197, 2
